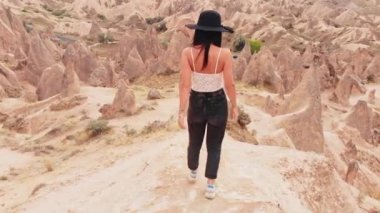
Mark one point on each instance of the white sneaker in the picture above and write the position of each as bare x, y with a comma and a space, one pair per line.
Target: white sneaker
192, 176
210, 191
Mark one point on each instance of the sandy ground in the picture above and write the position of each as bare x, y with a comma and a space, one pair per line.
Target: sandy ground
118, 173
152, 177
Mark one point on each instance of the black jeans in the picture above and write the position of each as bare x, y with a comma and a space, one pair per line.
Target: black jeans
206, 109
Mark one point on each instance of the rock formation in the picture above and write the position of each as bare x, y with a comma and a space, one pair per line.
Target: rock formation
302, 114
70, 81
9, 84
123, 104
84, 62
361, 118
39, 59
352, 172
289, 68
373, 68
261, 71
134, 66
172, 55
51, 81
344, 87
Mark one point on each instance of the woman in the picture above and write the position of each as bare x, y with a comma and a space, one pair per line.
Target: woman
205, 68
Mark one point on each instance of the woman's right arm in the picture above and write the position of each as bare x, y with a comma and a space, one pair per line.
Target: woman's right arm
229, 83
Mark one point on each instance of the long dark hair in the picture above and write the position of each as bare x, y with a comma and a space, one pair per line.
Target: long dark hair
205, 39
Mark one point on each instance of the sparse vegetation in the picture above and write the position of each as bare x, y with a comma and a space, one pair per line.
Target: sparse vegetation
154, 20
255, 46
130, 132
105, 38
153, 126
371, 78
102, 17
238, 44
97, 127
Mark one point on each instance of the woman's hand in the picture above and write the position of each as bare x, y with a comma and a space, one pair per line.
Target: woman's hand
181, 120
234, 113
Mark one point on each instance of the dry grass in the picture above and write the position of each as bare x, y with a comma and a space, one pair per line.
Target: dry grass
241, 134
97, 127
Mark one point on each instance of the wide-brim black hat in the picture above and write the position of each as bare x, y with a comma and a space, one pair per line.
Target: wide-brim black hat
210, 20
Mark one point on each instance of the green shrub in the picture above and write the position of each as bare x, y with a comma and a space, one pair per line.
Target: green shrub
238, 44
105, 38
255, 45
102, 17
97, 127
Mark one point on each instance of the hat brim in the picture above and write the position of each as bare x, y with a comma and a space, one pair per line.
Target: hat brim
208, 28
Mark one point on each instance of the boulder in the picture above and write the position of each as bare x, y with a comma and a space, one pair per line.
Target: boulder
154, 94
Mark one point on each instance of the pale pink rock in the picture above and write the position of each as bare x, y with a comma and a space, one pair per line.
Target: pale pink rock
239, 66
302, 114
352, 172
360, 60
84, 61
134, 66
124, 100
373, 68
51, 81
70, 82
172, 56
261, 71
289, 68
124, 103
344, 87
361, 118
372, 96
39, 59
103, 76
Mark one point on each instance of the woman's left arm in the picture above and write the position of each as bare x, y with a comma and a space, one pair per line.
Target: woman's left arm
184, 85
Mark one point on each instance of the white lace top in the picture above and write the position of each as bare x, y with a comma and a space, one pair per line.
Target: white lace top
206, 82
